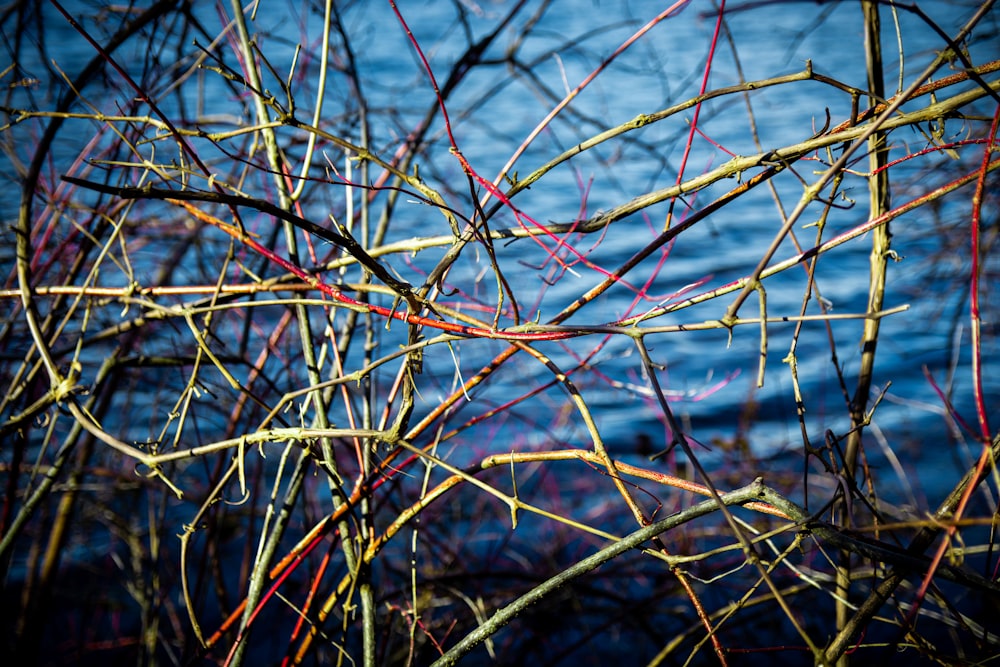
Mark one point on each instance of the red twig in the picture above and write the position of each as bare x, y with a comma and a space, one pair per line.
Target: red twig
701, 91
340, 297
977, 215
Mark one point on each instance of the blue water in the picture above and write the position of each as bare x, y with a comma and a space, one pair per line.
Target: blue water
709, 377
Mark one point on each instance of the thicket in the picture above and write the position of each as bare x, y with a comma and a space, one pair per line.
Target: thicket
379, 333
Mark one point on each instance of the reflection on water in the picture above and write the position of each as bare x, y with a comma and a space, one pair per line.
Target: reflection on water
709, 375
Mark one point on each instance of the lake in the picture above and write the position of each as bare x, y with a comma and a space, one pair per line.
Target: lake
179, 381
